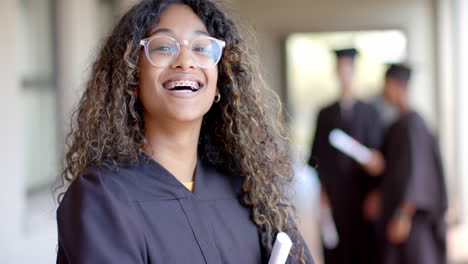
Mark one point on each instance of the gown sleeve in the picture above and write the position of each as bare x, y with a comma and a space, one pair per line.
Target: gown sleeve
97, 225
319, 141
425, 186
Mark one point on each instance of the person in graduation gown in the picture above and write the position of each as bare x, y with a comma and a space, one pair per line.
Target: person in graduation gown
348, 187
176, 154
413, 187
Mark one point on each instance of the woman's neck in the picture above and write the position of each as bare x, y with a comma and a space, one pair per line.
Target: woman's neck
174, 146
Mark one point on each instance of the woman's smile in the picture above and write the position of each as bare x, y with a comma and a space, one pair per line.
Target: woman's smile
183, 86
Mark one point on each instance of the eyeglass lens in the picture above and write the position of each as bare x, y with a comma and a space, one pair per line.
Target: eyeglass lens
206, 52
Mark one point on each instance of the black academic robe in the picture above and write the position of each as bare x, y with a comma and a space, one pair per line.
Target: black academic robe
143, 214
414, 174
346, 182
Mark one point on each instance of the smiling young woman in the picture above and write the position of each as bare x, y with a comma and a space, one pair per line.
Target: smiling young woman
176, 156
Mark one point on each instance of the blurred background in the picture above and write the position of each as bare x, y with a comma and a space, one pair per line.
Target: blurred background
47, 47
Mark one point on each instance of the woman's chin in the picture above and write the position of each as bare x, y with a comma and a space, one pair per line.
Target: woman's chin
187, 116
178, 113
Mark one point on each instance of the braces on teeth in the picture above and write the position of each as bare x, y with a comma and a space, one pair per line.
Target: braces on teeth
191, 84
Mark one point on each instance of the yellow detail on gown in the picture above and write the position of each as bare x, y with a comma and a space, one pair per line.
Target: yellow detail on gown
188, 185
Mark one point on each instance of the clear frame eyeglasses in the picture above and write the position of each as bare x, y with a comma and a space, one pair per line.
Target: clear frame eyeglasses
162, 51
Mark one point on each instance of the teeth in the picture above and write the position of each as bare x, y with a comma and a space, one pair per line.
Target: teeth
191, 84
182, 91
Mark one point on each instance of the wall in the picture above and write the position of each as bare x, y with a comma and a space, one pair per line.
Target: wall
12, 200
78, 40
461, 105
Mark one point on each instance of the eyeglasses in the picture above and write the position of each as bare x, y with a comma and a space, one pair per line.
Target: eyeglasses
162, 51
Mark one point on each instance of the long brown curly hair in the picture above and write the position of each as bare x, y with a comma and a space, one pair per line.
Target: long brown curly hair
243, 132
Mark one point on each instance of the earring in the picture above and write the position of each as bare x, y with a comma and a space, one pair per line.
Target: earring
217, 98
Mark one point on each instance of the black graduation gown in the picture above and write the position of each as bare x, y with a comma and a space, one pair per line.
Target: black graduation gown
414, 173
346, 182
143, 214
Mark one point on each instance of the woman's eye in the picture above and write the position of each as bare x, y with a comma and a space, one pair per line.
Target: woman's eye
202, 50
164, 49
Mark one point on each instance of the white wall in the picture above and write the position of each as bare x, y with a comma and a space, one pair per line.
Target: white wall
12, 202
461, 103
78, 39
447, 92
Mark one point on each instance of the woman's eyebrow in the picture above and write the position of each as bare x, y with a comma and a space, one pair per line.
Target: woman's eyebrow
201, 32
166, 30
161, 30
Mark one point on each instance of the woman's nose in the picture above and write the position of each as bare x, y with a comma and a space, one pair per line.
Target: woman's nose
184, 59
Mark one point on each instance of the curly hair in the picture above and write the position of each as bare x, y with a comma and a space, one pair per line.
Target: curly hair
243, 132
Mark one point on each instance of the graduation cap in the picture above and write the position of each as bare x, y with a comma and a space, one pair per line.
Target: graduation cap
350, 53
399, 72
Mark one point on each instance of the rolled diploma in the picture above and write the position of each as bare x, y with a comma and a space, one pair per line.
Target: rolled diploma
281, 249
349, 146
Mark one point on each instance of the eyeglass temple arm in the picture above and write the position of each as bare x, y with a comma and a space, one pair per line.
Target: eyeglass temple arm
222, 42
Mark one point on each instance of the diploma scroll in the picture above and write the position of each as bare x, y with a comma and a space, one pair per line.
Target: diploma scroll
281, 249
349, 146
